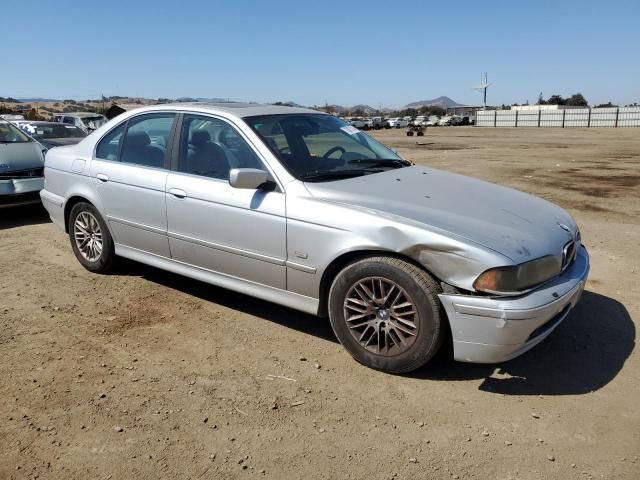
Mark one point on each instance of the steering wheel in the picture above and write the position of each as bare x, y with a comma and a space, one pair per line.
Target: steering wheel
333, 150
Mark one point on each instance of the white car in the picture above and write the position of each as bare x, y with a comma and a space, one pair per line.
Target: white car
398, 123
357, 122
432, 121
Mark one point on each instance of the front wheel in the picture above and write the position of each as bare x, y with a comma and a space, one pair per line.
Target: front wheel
90, 238
387, 314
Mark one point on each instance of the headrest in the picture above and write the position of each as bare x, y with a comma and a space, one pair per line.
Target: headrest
199, 137
138, 139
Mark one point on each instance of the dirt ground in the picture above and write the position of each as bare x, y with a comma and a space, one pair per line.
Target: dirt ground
144, 374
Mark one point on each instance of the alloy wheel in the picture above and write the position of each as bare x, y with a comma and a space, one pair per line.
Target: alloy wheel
88, 236
381, 316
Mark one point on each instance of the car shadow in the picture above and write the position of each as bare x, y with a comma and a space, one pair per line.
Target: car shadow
583, 354
13, 217
287, 317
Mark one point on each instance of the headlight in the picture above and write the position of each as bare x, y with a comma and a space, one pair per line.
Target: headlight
516, 279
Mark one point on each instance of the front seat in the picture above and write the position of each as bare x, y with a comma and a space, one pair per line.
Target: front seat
205, 157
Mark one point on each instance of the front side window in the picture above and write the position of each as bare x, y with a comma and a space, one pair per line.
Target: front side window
146, 140
316, 147
211, 147
11, 134
69, 120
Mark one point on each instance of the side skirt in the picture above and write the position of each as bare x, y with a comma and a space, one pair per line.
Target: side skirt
275, 295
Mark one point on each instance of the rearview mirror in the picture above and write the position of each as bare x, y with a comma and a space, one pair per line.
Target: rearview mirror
249, 178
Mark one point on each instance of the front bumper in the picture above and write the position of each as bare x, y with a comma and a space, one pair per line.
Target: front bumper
20, 191
496, 329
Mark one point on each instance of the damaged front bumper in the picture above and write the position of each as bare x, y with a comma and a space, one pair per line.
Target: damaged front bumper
20, 191
496, 329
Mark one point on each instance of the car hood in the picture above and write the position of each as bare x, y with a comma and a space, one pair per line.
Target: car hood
517, 225
20, 156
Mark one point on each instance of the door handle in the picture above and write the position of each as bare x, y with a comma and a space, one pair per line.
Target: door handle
176, 192
102, 177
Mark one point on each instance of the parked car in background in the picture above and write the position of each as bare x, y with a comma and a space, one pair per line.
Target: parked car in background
432, 121
21, 167
296, 207
445, 120
86, 121
357, 122
52, 134
369, 124
9, 117
379, 123
398, 122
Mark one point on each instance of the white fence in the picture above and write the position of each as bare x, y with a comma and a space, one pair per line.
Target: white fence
575, 117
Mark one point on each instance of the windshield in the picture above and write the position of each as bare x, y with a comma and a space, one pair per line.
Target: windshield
316, 147
56, 131
11, 134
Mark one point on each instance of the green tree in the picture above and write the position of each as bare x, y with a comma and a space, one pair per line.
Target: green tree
577, 100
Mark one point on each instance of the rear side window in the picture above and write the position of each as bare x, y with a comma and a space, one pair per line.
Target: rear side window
109, 146
69, 120
147, 139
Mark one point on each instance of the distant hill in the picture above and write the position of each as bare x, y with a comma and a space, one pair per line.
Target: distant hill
341, 109
444, 102
201, 99
36, 99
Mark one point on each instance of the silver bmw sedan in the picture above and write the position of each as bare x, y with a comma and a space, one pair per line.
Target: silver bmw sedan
299, 208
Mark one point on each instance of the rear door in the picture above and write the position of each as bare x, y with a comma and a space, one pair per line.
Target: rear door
211, 225
130, 170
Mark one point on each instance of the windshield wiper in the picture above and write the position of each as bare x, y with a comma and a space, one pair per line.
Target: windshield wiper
382, 162
336, 174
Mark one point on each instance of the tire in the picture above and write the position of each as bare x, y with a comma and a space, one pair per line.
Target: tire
93, 259
414, 286
420, 134
409, 134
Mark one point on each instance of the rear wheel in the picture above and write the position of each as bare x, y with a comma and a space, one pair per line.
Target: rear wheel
387, 314
90, 238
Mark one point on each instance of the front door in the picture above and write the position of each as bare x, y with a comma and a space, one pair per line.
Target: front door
211, 225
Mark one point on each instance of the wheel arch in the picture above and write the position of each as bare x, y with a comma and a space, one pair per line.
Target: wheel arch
344, 259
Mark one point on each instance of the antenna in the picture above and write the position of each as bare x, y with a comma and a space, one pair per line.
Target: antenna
483, 88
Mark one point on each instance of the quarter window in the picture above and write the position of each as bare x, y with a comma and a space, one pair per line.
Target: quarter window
109, 146
211, 147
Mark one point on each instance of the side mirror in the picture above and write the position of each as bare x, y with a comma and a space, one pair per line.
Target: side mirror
249, 178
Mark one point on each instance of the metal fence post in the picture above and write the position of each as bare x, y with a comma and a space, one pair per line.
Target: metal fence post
516, 118
564, 114
589, 118
617, 113
539, 116
495, 118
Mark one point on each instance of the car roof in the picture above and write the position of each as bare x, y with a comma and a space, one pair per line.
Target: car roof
41, 122
236, 109
79, 114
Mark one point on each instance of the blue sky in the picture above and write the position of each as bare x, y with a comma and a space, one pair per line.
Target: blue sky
345, 52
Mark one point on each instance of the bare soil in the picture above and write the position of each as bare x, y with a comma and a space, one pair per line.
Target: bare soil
143, 374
